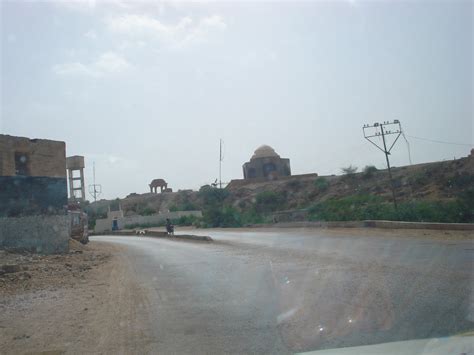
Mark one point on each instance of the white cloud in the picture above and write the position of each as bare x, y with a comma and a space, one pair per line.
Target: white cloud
111, 63
90, 34
142, 25
214, 22
78, 5
131, 45
107, 63
75, 68
185, 31
90, 6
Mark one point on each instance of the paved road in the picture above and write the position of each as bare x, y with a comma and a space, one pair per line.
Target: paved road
293, 290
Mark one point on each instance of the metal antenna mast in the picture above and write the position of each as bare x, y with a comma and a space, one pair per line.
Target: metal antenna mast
377, 130
94, 189
220, 163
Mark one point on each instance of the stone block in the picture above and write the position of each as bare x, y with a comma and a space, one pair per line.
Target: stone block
41, 234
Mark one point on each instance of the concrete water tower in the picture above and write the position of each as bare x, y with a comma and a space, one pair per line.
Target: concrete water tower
75, 172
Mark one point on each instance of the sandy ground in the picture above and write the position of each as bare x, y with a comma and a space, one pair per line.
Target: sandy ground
27, 272
68, 303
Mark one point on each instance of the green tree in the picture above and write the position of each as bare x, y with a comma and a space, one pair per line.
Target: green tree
349, 171
321, 184
369, 171
269, 201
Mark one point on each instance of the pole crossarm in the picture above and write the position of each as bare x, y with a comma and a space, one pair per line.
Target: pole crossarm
398, 132
95, 189
381, 132
375, 144
395, 141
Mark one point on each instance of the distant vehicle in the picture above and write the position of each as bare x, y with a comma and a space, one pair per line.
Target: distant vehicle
169, 227
79, 224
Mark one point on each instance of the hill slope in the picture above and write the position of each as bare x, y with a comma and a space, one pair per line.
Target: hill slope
439, 182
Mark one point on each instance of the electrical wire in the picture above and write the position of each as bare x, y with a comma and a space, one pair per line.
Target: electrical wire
223, 150
441, 142
408, 147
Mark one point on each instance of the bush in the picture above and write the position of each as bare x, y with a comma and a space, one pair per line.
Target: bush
251, 216
294, 184
466, 206
222, 217
362, 206
147, 211
215, 214
369, 171
186, 220
460, 181
173, 208
350, 170
428, 211
183, 203
419, 179
186, 206
269, 201
356, 207
115, 204
321, 184
212, 195
93, 215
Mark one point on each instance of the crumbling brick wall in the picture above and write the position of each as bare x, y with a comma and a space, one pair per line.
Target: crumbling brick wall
40, 233
43, 157
33, 194
32, 176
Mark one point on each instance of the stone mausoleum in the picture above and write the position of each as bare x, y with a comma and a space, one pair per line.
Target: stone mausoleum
266, 163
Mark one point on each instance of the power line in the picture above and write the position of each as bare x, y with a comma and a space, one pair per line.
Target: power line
221, 158
441, 142
408, 147
380, 130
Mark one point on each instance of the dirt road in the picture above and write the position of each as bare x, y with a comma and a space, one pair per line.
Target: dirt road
251, 291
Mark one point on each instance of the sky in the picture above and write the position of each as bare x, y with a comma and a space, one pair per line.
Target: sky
147, 89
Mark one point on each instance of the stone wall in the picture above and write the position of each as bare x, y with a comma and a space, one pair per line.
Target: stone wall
237, 183
41, 234
32, 176
33, 195
42, 157
290, 216
257, 168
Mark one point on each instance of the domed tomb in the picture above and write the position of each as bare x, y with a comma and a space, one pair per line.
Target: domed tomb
264, 151
266, 163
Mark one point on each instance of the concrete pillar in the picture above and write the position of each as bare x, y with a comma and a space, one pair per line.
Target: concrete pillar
76, 163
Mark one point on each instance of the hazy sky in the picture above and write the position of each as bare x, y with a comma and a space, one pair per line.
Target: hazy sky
147, 89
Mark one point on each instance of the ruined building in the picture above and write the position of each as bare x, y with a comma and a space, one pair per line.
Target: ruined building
266, 163
158, 183
33, 194
75, 170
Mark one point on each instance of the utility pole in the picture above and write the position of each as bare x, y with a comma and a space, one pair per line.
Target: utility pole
377, 130
94, 189
220, 163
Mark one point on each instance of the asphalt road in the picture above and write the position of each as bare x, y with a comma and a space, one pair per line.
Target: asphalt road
295, 290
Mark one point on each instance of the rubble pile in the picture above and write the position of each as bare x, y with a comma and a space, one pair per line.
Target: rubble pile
24, 271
